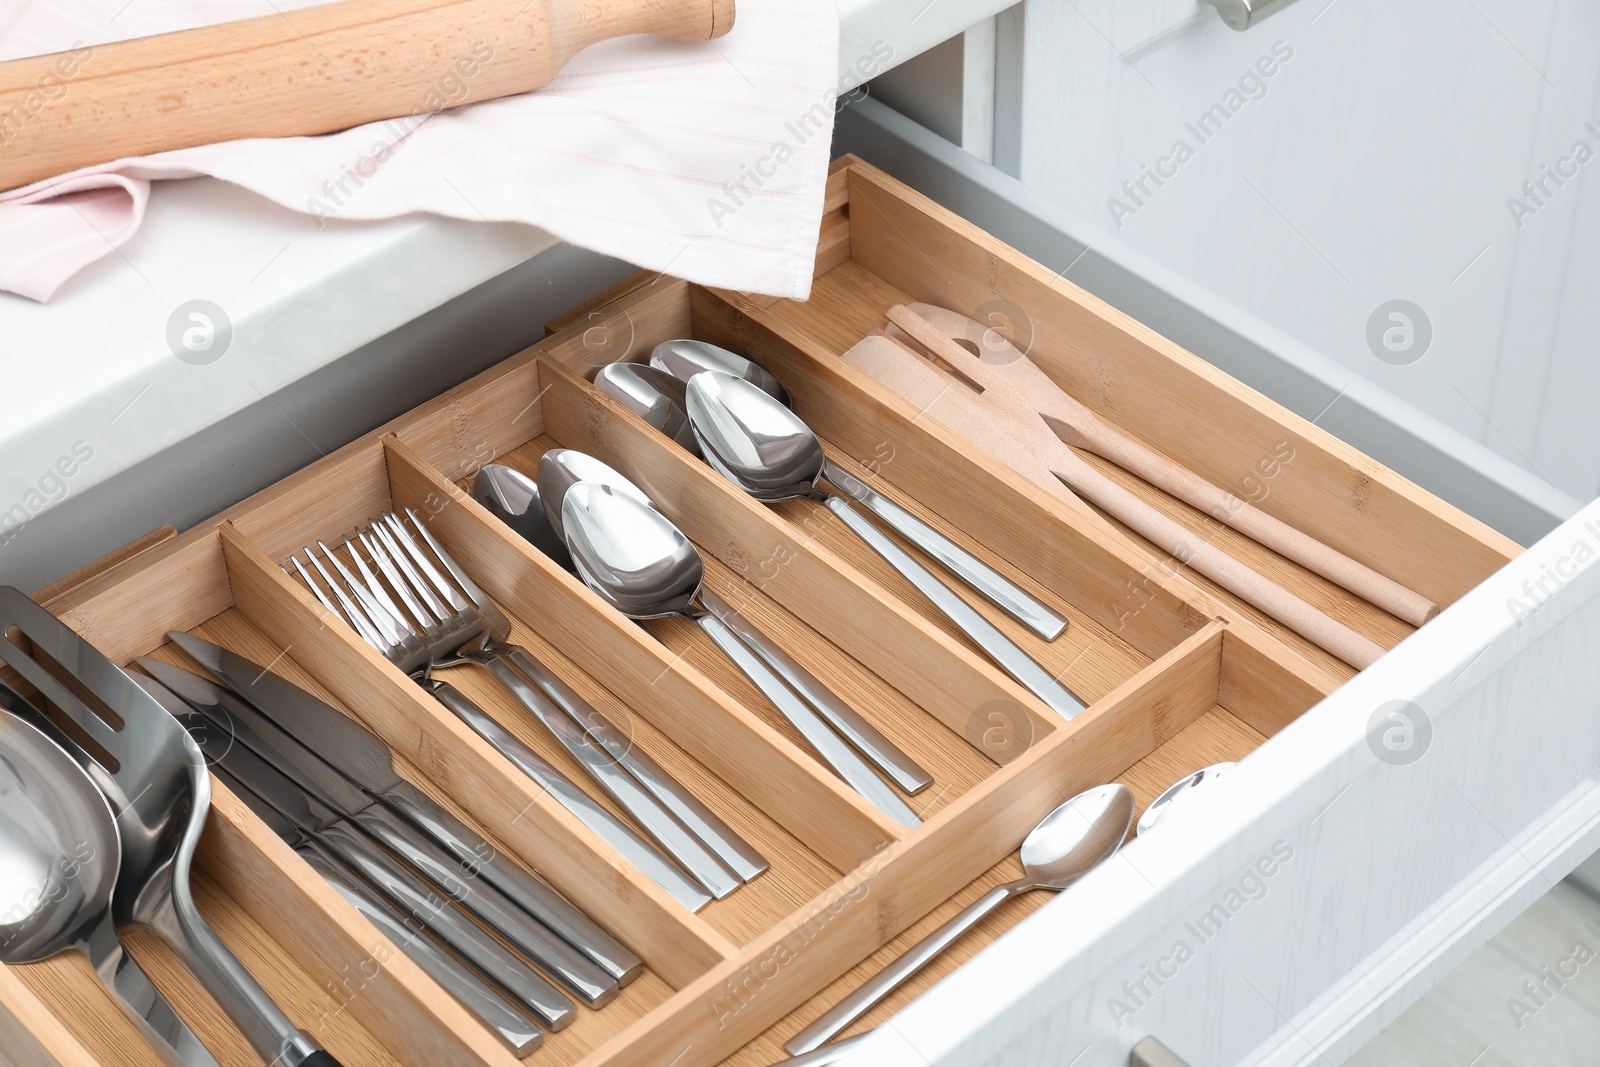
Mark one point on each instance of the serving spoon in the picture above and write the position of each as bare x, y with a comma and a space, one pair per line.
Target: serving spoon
643, 565
769, 452
61, 854
1062, 848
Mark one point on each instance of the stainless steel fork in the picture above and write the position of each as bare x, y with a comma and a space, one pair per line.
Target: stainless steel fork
447, 619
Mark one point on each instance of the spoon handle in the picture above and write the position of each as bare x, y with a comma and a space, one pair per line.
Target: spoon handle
892, 977
994, 586
838, 755
899, 767
1000, 648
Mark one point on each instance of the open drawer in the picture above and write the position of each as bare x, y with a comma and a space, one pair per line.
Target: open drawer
1333, 868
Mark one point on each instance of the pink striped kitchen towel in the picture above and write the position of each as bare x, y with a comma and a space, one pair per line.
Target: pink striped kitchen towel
707, 160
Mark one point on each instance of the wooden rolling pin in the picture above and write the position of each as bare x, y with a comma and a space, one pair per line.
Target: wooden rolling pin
310, 71
999, 418
1081, 428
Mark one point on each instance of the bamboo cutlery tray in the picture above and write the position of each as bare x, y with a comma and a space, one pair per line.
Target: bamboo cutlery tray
1178, 674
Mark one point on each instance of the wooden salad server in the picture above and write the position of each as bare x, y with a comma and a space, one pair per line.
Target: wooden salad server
978, 403
310, 71
1081, 428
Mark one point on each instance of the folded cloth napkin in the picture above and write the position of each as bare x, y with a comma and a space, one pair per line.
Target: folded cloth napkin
706, 160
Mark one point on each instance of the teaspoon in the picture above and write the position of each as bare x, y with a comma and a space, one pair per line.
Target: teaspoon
682, 359
1062, 848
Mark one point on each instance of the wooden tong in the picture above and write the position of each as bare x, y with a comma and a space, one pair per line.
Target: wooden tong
980, 402
314, 71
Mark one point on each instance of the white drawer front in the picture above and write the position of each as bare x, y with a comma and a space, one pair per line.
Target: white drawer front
1323, 889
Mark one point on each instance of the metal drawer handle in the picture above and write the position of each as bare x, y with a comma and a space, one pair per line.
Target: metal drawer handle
1242, 14
1152, 1053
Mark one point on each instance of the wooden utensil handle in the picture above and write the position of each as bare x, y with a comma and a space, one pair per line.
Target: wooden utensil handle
303, 72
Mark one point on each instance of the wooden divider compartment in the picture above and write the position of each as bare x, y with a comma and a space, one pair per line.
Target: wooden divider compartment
1178, 674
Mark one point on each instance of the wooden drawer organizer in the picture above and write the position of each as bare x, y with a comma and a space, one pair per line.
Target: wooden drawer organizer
1179, 673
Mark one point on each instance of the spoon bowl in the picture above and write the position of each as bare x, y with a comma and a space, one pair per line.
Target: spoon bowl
562, 468
1181, 793
59, 848
630, 553
753, 440
653, 395
683, 358
513, 498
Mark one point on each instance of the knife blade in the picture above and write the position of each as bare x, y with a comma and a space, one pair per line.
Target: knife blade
236, 722
465, 984
357, 850
363, 758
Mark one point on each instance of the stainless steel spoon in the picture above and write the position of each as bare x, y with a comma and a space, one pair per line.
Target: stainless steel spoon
683, 359
516, 499
562, 468
643, 565
1182, 792
1062, 848
765, 449
61, 853
653, 395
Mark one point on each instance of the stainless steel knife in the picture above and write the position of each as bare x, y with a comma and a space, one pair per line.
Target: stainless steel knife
235, 722
356, 849
477, 995
363, 758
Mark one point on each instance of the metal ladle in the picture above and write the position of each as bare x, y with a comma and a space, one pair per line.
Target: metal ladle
60, 854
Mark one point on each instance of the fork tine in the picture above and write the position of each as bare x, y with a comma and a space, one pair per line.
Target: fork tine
351, 615
453, 593
393, 630
380, 555
376, 588
403, 561
463, 583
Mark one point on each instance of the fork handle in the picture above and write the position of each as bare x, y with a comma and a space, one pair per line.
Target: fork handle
522, 888
635, 849
728, 846
658, 822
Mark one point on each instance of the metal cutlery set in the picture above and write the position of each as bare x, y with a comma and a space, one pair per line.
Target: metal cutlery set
106, 777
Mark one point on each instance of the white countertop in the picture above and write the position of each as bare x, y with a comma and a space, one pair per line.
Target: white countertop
94, 364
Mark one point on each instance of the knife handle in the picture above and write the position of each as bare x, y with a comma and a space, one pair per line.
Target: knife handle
483, 1000
565, 963
524, 890
488, 956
